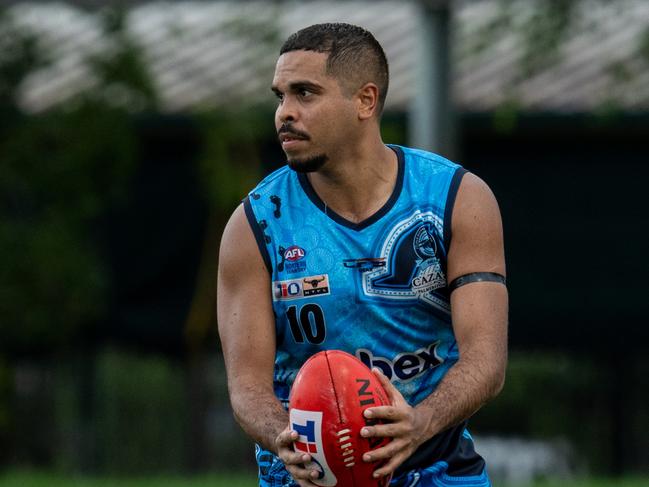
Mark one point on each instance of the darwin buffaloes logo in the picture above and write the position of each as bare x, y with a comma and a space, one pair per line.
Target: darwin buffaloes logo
308, 425
413, 269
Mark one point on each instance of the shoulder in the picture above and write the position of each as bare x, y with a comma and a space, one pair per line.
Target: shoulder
277, 178
239, 252
425, 160
477, 243
474, 194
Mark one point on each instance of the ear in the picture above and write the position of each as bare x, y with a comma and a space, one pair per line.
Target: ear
367, 100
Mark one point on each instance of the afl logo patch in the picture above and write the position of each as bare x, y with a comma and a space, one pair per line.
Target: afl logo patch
292, 259
294, 253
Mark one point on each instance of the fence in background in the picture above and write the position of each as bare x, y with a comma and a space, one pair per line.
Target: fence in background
121, 413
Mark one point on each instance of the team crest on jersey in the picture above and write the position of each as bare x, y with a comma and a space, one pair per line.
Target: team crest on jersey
413, 267
429, 275
304, 287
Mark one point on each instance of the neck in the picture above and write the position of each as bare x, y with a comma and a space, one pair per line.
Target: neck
357, 184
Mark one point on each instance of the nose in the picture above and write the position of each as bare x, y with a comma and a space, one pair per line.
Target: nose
287, 111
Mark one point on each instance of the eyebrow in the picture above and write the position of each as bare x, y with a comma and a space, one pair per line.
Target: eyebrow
296, 86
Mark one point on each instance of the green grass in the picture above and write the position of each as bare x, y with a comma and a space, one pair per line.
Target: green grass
624, 482
41, 479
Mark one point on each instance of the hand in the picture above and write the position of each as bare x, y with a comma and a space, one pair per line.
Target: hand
295, 461
404, 424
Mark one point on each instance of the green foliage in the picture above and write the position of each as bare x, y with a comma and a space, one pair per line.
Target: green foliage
19, 54
60, 173
563, 397
643, 48
543, 34
231, 158
141, 416
6, 389
121, 71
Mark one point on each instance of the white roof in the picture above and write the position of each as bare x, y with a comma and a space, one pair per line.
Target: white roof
205, 55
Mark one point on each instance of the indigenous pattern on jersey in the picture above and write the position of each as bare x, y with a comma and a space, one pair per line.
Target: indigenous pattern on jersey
376, 289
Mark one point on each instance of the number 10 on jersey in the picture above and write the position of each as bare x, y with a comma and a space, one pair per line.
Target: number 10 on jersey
307, 323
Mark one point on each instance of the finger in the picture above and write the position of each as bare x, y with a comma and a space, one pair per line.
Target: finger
385, 452
393, 393
303, 473
390, 466
389, 430
388, 413
285, 450
306, 483
289, 457
286, 438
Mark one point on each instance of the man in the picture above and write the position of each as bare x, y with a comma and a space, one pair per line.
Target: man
392, 254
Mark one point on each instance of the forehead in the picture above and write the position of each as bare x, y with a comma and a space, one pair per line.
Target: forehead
301, 65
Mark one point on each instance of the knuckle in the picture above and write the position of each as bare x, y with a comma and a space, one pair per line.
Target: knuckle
295, 471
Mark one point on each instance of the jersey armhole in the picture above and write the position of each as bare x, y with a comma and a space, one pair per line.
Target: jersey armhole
257, 231
450, 203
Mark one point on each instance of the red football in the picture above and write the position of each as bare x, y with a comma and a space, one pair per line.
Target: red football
330, 393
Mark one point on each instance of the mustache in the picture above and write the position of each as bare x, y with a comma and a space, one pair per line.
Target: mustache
288, 129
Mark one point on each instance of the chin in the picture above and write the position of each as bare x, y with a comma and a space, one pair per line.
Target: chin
307, 164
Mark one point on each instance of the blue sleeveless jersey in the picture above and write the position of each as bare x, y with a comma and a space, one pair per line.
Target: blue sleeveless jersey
376, 289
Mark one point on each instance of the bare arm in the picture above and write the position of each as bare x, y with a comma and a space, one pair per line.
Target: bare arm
479, 314
247, 331
479, 310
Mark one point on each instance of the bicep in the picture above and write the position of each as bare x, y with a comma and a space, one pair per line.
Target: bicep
244, 308
479, 310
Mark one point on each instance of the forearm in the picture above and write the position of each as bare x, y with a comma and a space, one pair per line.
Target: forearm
260, 414
466, 387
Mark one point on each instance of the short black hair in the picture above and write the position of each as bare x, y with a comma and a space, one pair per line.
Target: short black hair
355, 56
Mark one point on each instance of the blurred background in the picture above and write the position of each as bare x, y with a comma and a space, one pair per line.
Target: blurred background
129, 132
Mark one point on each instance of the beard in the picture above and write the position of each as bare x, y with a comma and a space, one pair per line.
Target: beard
310, 164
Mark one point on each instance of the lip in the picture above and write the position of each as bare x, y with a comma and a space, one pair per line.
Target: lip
289, 143
289, 140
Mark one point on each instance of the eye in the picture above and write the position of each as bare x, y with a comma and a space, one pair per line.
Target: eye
280, 96
304, 93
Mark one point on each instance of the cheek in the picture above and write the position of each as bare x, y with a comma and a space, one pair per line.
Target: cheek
278, 124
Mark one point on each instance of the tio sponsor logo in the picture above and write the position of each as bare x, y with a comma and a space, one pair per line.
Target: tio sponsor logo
306, 441
310, 286
308, 425
405, 366
288, 290
294, 253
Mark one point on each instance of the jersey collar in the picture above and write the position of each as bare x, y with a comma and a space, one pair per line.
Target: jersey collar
313, 196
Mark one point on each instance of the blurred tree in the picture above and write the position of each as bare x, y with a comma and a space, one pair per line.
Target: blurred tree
60, 172
230, 167
235, 144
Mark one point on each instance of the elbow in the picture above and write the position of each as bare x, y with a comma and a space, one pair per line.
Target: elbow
497, 382
237, 402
